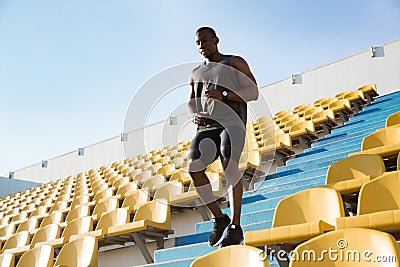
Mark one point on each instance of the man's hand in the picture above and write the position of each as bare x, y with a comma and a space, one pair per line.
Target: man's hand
213, 94
200, 118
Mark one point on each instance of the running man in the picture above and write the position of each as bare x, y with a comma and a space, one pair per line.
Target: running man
220, 88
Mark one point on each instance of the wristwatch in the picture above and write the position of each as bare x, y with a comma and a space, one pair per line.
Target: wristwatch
224, 95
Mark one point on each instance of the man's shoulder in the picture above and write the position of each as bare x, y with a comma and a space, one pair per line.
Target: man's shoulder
196, 68
235, 60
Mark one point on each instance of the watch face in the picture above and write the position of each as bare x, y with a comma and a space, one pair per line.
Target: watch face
224, 93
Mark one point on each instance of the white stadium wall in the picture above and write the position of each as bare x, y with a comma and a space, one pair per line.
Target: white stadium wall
326, 81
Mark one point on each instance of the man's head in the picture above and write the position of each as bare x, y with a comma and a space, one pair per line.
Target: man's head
206, 41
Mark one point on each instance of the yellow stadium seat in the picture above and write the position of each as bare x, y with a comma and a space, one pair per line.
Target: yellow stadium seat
181, 175
385, 142
299, 217
393, 119
104, 206
154, 168
356, 99
370, 91
40, 212
378, 205
152, 217
215, 167
135, 199
142, 176
303, 133
286, 119
179, 162
182, 153
324, 120
75, 213
168, 190
76, 227
290, 123
153, 182
167, 170
325, 102
233, 256
20, 217
103, 194
17, 240
352, 247
341, 108
250, 162
80, 200
41, 256
318, 102
120, 182
349, 174
171, 153
47, 233
165, 160
29, 225
6, 231
280, 149
114, 217
7, 260
301, 108
31, 206
99, 186
63, 197
62, 206
80, 252
127, 188
307, 115
114, 177
56, 217
342, 94
281, 114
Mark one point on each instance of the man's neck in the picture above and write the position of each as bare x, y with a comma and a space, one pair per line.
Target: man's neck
216, 57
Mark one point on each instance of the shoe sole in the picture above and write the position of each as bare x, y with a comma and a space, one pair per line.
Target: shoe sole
241, 243
222, 237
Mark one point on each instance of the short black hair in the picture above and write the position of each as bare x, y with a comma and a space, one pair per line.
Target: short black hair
207, 29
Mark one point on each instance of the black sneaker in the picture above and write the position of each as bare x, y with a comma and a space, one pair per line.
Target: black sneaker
219, 231
234, 236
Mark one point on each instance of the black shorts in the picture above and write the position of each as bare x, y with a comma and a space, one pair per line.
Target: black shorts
224, 143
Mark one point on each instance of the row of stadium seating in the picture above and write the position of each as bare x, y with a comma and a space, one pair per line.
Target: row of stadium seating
275, 136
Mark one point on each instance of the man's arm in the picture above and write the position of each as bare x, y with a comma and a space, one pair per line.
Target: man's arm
248, 86
192, 108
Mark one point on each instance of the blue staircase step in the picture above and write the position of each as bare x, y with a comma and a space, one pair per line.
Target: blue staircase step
184, 252
312, 180
174, 263
322, 162
321, 154
292, 178
265, 193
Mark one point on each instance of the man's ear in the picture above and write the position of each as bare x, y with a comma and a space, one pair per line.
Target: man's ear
216, 40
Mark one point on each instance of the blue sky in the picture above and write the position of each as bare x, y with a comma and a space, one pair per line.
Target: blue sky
68, 69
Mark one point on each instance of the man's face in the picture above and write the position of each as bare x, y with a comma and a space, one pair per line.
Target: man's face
206, 43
